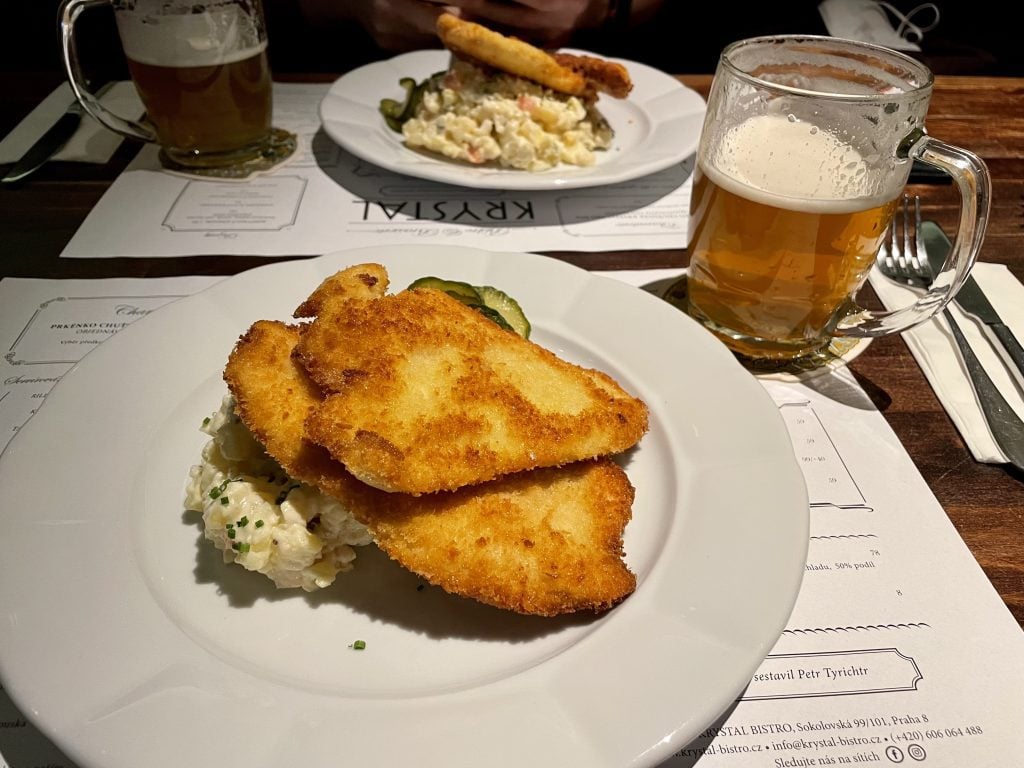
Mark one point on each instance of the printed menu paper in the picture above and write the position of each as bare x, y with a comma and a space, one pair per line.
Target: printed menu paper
898, 651
324, 199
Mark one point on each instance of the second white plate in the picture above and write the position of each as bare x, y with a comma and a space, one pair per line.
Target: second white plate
657, 126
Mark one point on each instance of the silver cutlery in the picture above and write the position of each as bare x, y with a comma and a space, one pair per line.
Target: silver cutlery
51, 142
972, 300
905, 260
47, 145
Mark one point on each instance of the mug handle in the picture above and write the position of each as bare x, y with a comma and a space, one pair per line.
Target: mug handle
975, 186
69, 11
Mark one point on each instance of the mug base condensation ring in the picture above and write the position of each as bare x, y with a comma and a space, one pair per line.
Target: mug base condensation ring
279, 148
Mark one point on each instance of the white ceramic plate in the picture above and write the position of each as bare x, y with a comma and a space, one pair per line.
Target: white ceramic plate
130, 643
658, 126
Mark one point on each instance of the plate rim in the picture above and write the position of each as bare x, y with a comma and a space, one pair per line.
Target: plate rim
691, 103
651, 755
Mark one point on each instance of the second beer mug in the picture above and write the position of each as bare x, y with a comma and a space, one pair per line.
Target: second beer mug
805, 151
201, 71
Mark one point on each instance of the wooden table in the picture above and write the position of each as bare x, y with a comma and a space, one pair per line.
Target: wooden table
985, 502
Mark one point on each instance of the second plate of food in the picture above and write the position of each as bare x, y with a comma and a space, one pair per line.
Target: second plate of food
655, 127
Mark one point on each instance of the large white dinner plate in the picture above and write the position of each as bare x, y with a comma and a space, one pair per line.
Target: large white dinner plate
657, 126
130, 643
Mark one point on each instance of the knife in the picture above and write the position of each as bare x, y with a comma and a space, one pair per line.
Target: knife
972, 300
47, 145
1006, 427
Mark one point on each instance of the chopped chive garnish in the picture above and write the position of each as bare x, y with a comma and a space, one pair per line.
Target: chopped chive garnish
242, 547
225, 500
258, 523
243, 521
206, 421
231, 533
359, 645
219, 489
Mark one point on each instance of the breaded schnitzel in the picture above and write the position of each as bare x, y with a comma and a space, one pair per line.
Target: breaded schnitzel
572, 74
545, 542
602, 75
362, 281
424, 394
508, 54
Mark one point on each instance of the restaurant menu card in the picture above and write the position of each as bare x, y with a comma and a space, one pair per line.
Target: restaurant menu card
898, 651
324, 199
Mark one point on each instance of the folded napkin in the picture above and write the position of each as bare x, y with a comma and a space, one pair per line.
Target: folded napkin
935, 350
91, 143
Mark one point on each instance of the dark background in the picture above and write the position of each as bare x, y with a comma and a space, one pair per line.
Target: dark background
975, 38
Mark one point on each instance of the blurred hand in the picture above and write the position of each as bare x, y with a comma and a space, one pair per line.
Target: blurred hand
395, 25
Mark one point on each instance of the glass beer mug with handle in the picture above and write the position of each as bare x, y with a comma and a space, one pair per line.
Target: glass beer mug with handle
202, 74
806, 148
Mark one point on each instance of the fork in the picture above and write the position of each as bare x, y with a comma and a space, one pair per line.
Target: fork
902, 258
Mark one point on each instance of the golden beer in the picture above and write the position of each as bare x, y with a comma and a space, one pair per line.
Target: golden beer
785, 223
215, 109
202, 74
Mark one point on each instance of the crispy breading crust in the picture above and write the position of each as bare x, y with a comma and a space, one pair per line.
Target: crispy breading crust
424, 394
509, 54
604, 76
362, 281
544, 543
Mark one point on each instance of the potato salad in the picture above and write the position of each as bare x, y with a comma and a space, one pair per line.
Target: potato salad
263, 520
480, 117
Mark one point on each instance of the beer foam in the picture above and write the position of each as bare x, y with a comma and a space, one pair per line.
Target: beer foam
215, 37
783, 162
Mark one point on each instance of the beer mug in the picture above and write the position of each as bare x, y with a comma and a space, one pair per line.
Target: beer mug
201, 72
806, 148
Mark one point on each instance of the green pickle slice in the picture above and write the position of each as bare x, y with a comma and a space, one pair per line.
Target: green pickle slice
507, 307
397, 112
491, 302
464, 292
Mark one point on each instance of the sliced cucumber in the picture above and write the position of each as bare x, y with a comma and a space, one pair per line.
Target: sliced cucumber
507, 307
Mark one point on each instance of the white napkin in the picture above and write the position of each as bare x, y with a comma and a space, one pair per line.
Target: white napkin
869, 22
91, 143
935, 350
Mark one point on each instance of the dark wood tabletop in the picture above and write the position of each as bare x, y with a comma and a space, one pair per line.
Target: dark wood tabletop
984, 114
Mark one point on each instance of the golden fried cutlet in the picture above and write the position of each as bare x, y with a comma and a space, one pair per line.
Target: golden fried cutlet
602, 75
363, 281
424, 394
545, 542
508, 54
